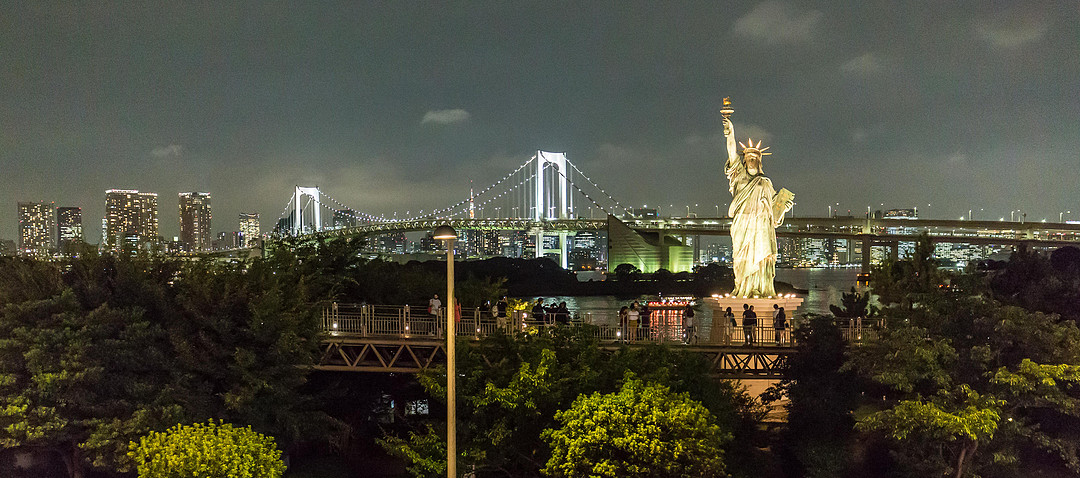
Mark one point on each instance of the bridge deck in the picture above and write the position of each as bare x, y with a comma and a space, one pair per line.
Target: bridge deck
393, 339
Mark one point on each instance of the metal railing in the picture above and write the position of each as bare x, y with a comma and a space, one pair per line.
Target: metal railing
405, 322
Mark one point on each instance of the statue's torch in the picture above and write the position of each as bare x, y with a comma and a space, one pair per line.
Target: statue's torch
726, 112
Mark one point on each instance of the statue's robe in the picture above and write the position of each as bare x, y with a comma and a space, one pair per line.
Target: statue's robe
753, 231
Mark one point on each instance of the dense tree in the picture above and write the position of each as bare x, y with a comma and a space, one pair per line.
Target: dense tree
955, 376
643, 430
626, 272
906, 282
511, 388
853, 305
106, 349
819, 436
210, 450
1038, 282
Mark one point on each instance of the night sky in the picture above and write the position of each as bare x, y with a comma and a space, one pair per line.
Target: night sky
395, 106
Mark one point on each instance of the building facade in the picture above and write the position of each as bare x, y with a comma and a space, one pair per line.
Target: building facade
131, 219
69, 229
37, 228
250, 231
195, 218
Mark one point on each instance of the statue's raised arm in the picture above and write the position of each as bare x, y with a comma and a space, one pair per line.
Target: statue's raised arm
729, 136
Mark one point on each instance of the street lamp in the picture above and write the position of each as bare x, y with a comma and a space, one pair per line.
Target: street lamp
1061, 216
447, 233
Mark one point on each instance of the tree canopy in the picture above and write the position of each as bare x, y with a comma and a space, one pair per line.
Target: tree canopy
210, 450
510, 390
102, 350
643, 430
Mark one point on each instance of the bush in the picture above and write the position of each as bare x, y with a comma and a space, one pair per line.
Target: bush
208, 450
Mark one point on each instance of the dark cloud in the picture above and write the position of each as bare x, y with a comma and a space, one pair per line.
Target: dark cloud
445, 116
395, 107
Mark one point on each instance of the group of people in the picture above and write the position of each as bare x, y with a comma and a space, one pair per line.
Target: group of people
636, 320
749, 323
557, 313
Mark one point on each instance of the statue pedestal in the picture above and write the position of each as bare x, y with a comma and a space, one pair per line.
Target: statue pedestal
723, 333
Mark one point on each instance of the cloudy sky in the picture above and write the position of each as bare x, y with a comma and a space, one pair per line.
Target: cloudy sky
395, 106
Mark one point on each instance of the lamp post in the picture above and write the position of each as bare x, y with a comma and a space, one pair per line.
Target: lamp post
1061, 216
447, 233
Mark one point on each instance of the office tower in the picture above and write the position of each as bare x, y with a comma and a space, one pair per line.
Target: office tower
69, 229
249, 229
195, 221
37, 228
131, 218
226, 240
393, 243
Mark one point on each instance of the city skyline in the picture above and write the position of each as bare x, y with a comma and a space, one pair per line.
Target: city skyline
397, 107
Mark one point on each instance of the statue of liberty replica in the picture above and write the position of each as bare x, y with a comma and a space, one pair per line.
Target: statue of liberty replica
756, 210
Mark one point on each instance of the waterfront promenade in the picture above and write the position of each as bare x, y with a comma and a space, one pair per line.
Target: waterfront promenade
403, 339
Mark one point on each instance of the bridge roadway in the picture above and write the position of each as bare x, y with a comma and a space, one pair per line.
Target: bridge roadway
394, 339
843, 227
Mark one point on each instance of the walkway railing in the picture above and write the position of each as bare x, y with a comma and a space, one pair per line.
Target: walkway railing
405, 322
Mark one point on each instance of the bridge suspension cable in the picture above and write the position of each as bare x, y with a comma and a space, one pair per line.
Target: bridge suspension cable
523, 193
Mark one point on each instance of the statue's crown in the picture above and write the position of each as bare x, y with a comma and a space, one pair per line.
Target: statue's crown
750, 147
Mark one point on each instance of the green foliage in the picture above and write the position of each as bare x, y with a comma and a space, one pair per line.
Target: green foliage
106, 349
642, 430
959, 375
626, 272
1037, 282
908, 281
474, 291
510, 389
974, 418
424, 453
853, 305
821, 397
210, 450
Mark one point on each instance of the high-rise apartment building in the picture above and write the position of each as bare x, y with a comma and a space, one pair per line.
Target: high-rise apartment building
195, 217
249, 229
37, 228
69, 230
130, 218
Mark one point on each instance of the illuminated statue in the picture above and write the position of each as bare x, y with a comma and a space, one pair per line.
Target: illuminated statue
756, 210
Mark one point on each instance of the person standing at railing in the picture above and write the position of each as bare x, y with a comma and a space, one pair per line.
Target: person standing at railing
730, 316
632, 317
538, 311
688, 324
434, 305
500, 313
779, 324
646, 321
624, 320
749, 321
562, 314
775, 313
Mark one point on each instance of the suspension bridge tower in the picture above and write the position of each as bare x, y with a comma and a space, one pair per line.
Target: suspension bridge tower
551, 199
299, 205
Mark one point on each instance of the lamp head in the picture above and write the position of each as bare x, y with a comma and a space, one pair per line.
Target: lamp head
444, 232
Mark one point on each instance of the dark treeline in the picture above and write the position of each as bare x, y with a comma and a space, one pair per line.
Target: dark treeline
97, 351
975, 374
971, 376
